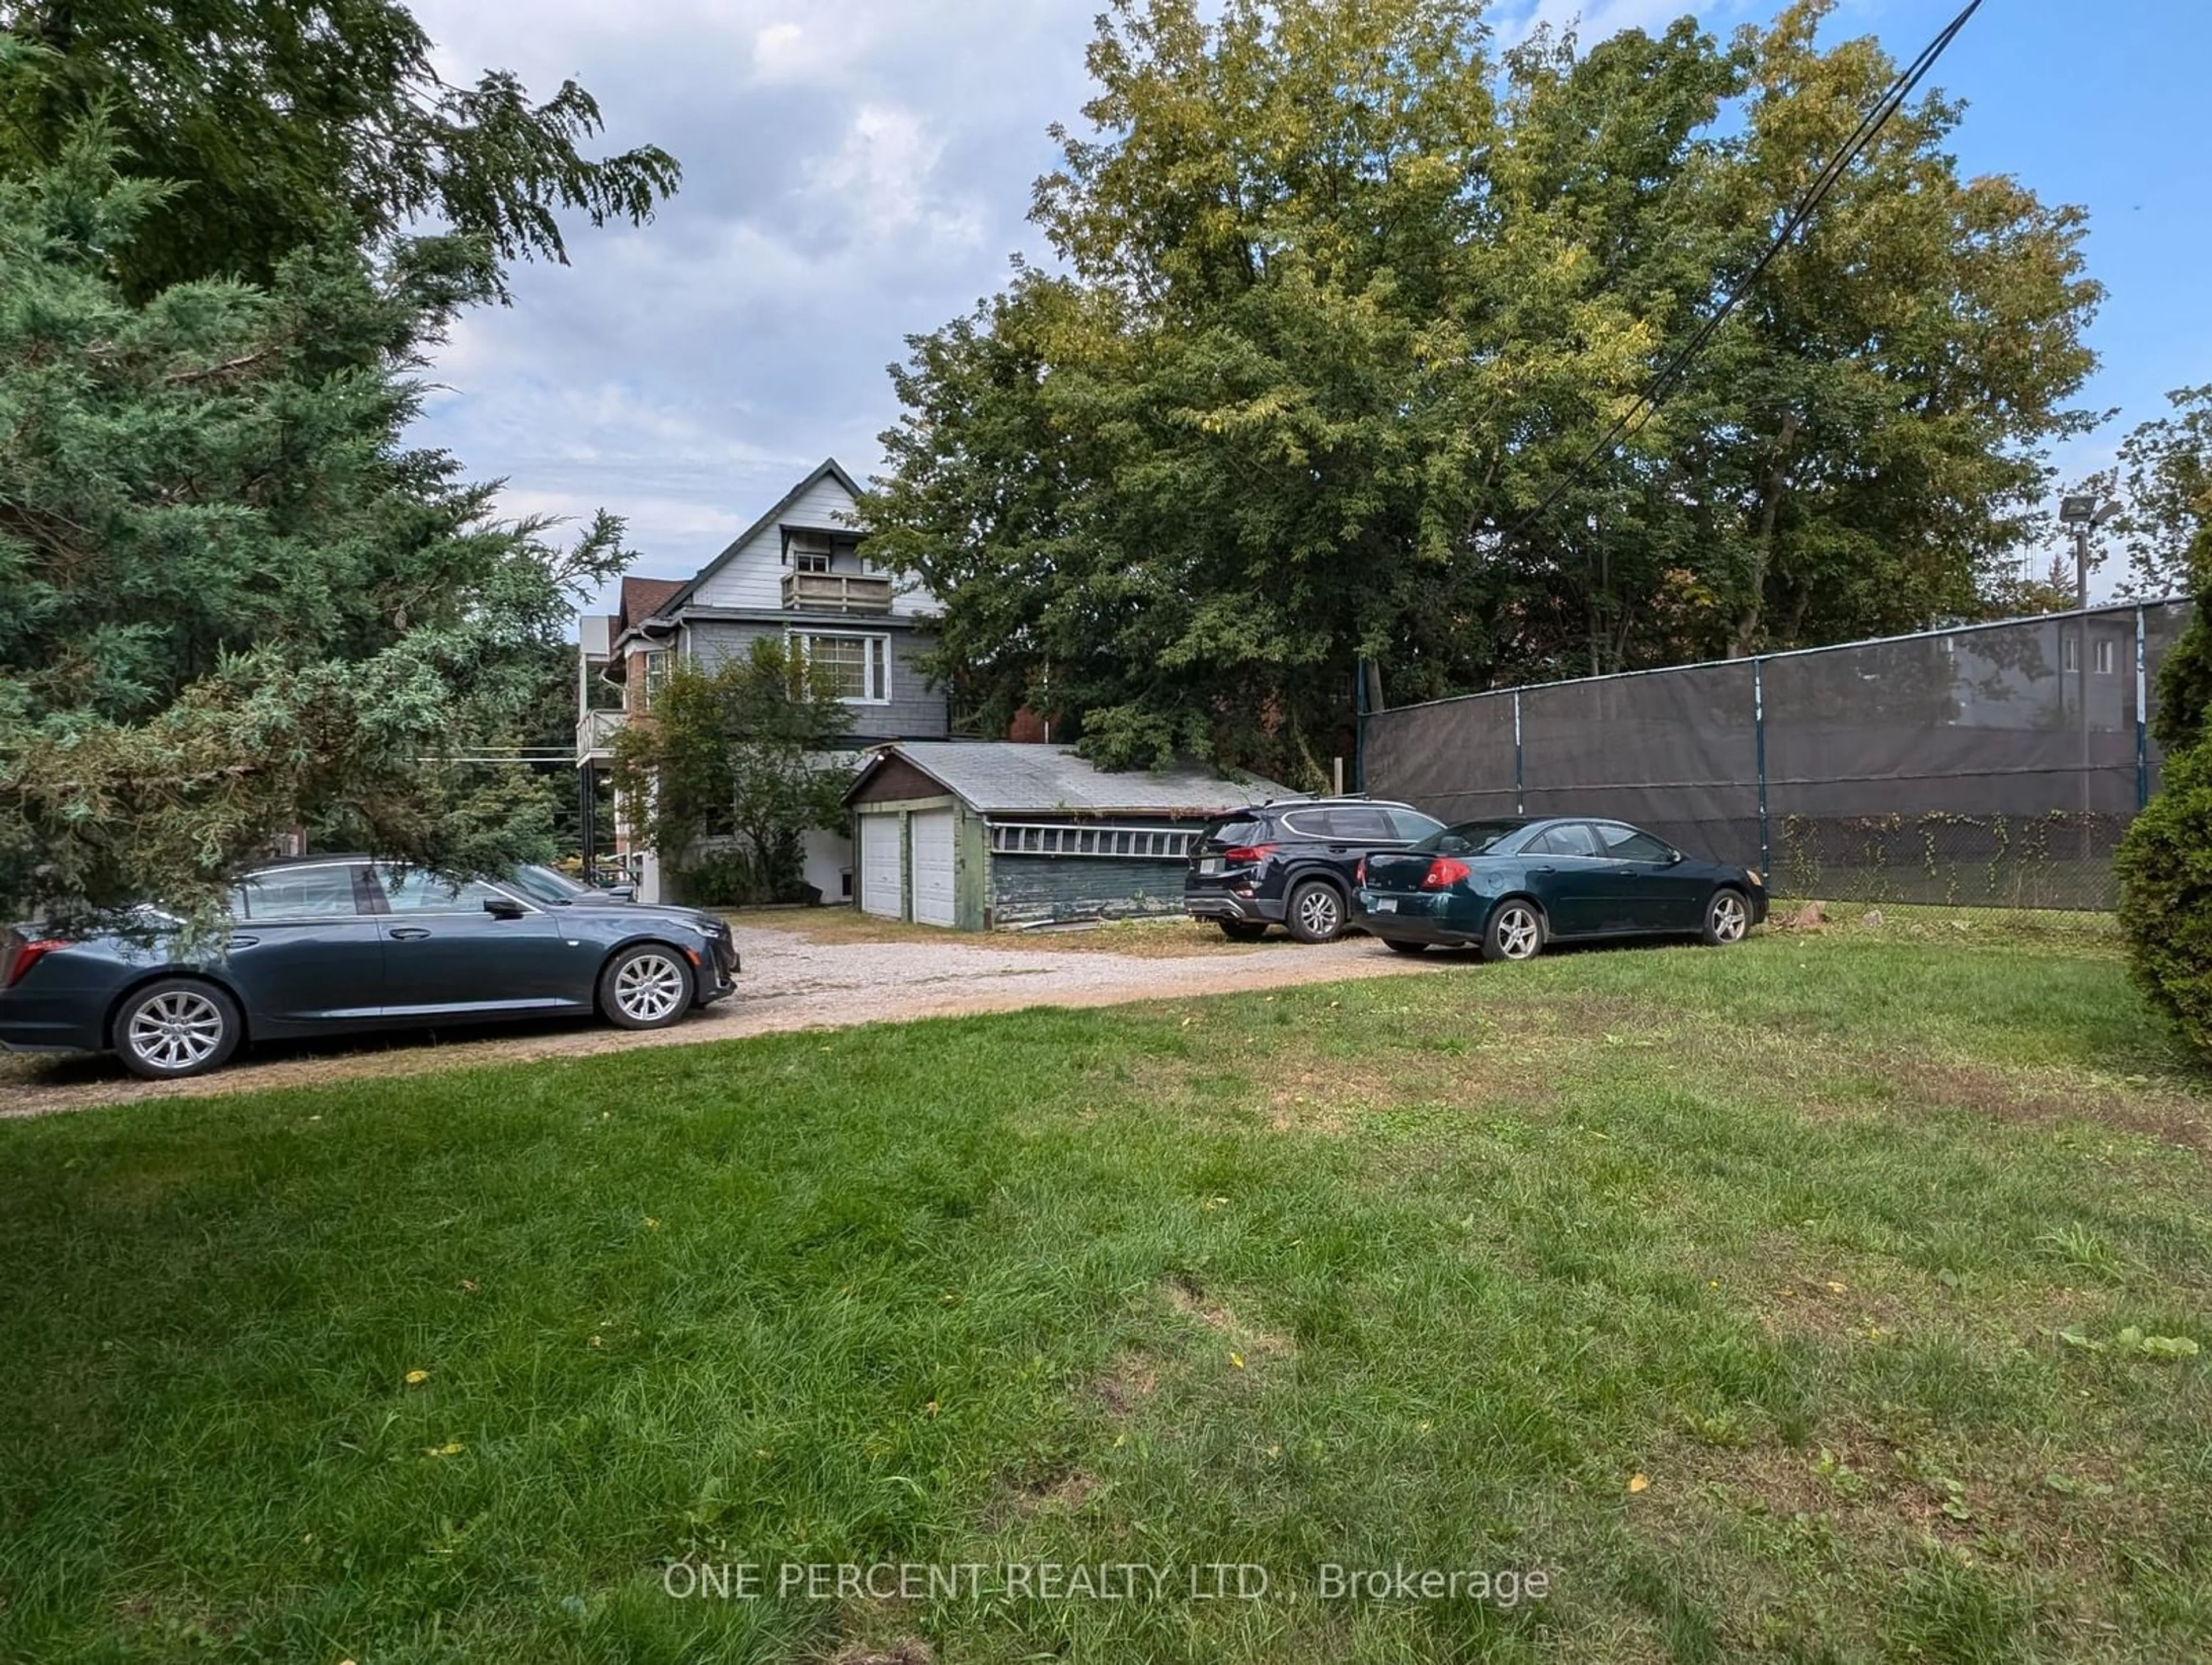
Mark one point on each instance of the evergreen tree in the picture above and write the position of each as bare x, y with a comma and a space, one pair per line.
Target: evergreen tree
2165, 863
238, 602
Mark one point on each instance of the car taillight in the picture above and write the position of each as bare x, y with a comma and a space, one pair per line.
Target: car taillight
1246, 855
1360, 873
23, 955
1443, 873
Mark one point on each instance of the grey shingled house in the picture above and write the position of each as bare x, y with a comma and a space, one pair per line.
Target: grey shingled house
980, 835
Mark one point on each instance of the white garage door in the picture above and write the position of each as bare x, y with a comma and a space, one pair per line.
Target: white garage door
883, 869
933, 901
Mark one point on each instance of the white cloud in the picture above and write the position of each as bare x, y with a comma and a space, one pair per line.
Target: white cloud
847, 181
784, 53
880, 185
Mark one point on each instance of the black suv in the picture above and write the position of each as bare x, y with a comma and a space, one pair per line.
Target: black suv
1293, 863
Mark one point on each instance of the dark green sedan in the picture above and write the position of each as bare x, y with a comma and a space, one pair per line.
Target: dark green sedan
1512, 885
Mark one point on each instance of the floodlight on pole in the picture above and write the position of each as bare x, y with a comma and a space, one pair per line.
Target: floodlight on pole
2083, 512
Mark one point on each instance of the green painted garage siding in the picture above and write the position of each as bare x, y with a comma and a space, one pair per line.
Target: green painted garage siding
1027, 890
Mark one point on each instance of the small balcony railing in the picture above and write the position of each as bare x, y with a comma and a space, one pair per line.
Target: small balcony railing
595, 734
836, 592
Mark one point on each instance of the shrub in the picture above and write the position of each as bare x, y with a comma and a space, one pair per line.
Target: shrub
717, 878
724, 874
2165, 866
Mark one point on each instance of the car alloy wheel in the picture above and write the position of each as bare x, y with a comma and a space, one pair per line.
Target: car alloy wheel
1517, 933
176, 1029
1727, 919
650, 987
1316, 914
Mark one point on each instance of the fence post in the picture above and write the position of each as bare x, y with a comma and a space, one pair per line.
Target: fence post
1759, 744
1519, 806
2143, 724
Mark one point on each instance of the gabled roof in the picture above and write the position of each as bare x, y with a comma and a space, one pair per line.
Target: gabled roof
1001, 777
830, 469
643, 597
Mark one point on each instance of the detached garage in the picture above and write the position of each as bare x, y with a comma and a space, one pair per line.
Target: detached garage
981, 836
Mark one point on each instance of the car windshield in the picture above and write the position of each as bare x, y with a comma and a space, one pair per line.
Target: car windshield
545, 885
1468, 838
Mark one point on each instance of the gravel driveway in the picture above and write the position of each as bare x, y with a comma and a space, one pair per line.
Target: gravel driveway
789, 983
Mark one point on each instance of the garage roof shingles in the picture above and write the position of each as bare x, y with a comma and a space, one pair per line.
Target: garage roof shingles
997, 777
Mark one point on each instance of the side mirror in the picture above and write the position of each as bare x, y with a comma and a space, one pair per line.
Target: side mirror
503, 907
1676, 858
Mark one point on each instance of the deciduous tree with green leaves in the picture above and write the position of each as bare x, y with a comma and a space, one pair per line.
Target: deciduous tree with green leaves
280, 124
732, 767
1344, 298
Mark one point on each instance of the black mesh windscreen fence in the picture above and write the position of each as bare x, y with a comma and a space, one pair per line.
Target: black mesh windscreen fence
1992, 766
1669, 750
1453, 759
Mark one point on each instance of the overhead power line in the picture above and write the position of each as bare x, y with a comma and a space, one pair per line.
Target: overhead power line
1670, 376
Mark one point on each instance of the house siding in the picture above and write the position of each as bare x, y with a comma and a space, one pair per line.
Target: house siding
751, 578
915, 712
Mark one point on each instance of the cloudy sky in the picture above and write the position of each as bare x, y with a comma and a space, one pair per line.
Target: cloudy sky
859, 173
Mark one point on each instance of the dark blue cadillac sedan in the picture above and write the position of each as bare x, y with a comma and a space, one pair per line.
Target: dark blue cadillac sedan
329, 943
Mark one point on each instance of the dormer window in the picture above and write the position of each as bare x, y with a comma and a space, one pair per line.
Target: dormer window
810, 551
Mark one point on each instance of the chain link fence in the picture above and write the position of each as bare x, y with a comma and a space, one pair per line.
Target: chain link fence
1992, 765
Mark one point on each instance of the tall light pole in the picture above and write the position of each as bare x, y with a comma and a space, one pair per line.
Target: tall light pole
2084, 514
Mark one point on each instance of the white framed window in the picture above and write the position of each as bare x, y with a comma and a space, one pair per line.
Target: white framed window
860, 665
2106, 657
656, 674
2069, 653
810, 560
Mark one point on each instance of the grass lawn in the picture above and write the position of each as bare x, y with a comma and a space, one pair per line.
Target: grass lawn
1825, 1297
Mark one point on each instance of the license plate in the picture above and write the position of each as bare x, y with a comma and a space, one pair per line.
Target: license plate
1210, 864
1385, 905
